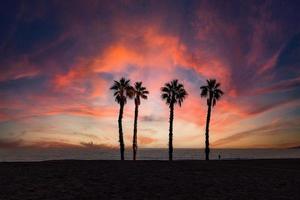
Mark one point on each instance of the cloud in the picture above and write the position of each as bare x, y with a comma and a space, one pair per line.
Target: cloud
91, 145
16, 69
20, 143
87, 135
143, 140
151, 118
50, 144
282, 86
268, 129
4, 143
12, 144
68, 65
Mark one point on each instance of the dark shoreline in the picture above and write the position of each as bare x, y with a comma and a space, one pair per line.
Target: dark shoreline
180, 179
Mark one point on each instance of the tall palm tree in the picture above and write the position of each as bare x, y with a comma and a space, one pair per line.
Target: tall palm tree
139, 92
213, 93
122, 90
172, 93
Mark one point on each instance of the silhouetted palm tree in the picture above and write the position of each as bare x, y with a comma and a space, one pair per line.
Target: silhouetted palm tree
139, 92
122, 90
173, 93
212, 92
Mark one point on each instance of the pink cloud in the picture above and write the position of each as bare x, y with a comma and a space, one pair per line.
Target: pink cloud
151, 49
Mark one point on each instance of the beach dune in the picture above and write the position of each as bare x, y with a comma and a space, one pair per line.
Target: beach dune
72, 179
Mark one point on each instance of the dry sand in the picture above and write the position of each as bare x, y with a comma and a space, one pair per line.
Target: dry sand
247, 179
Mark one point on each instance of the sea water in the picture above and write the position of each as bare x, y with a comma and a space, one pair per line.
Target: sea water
143, 154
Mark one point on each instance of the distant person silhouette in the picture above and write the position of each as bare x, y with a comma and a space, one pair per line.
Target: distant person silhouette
219, 156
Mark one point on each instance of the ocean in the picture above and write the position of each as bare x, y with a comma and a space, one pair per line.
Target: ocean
8, 155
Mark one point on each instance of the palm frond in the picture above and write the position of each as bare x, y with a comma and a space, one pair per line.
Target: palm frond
122, 90
165, 89
165, 96
144, 96
173, 92
211, 91
219, 91
204, 91
139, 91
145, 92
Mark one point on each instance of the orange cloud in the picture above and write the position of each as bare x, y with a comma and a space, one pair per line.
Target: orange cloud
145, 48
143, 140
273, 128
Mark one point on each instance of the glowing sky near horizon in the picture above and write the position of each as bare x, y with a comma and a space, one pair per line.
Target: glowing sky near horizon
59, 58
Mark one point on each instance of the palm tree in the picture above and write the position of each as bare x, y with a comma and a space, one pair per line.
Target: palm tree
139, 92
122, 90
212, 92
173, 93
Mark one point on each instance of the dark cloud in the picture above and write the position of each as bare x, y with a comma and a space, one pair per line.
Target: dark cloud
92, 145
151, 118
12, 144
4, 143
87, 135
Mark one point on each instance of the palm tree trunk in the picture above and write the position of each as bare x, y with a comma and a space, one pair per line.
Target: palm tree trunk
134, 143
121, 140
171, 132
207, 150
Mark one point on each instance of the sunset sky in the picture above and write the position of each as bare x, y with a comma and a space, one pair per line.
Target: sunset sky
58, 60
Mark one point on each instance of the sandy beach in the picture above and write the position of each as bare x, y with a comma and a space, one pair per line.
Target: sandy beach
72, 179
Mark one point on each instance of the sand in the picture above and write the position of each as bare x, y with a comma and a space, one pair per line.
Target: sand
244, 179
